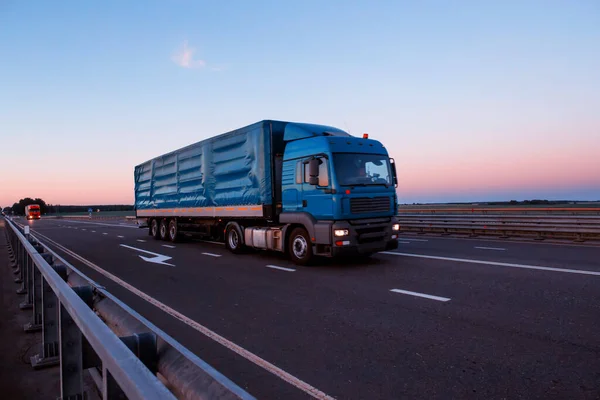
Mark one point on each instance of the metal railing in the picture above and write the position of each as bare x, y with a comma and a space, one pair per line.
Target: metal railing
533, 210
578, 228
85, 329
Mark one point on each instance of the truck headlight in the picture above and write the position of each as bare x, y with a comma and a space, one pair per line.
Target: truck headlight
340, 232
396, 227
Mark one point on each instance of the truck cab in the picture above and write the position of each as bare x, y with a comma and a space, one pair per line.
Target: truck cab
32, 211
341, 189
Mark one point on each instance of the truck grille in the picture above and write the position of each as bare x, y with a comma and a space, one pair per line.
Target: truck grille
368, 205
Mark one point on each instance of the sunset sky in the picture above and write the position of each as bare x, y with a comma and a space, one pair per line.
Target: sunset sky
475, 100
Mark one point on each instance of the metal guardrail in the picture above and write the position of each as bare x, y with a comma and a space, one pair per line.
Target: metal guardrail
533, 210
94, 217
86, 329
579, 228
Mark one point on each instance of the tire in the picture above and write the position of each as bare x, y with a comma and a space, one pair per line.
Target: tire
300, 247
163, 229
233, 239
154, 229
173, 231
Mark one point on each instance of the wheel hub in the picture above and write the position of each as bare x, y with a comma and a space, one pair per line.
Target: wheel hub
299, 247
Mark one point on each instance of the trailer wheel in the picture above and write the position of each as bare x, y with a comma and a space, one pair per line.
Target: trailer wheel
233, 239
164, 230
154, 229
173, 232
300, 247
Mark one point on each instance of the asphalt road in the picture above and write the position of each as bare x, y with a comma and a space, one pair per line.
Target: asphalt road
469, 318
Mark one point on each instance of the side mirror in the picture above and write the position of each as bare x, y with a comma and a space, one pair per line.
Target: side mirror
313, 171
394, 174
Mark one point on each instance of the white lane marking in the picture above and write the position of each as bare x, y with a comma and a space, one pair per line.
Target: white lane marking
157, 259
122, 237
100, 223
168, 246
501, 264
281, 268
83, 229
403, 242
105, 233
489, 248
416, 240
212, 255
427, 296
141, 240
210, 241
287, 377
94, 231
522, 241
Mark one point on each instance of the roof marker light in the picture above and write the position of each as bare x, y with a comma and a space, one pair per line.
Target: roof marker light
365, 135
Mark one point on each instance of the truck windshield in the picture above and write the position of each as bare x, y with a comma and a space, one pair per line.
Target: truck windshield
362, 169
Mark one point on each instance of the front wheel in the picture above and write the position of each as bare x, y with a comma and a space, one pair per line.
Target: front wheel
300, 247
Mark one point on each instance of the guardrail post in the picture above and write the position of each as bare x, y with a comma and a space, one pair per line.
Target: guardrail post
28, 304
18, 260
71, 349
110, 388
48, 357
144, 346
11, 253
24, 272
36, 323
70, 354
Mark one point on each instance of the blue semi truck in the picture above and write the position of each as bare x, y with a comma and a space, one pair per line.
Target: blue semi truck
304, 189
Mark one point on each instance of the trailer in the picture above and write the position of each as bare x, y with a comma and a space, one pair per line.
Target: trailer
304, 189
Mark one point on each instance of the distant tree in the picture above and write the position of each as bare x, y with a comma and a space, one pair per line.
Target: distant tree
19, 208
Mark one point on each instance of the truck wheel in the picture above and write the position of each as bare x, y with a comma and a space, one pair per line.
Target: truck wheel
164, 229
233, 239
300, 247
154, 230
173, 232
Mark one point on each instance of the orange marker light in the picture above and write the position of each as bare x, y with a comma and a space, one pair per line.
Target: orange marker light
365, 135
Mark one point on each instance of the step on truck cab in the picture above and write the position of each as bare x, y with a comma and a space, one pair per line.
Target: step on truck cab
304, 189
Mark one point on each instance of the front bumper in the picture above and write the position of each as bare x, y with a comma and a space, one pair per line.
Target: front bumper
360, 250
364, 237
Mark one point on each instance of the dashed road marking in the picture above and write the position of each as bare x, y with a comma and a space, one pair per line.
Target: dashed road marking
281, 268
427, 296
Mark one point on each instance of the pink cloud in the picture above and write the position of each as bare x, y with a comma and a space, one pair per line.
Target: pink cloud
184, 57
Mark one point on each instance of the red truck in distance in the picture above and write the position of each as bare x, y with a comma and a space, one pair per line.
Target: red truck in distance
32, 211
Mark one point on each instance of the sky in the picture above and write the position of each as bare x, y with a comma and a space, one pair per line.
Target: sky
474, 100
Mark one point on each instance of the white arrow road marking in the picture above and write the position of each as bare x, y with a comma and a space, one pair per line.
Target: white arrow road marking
157, 259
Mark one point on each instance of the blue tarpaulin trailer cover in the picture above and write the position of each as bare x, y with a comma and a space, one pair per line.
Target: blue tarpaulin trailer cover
232, 169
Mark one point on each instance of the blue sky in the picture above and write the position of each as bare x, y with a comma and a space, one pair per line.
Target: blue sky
473, 99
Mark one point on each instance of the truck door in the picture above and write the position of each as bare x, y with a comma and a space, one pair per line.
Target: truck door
317, 199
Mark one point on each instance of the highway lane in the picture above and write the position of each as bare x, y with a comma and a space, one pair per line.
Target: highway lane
583, 256
340, 328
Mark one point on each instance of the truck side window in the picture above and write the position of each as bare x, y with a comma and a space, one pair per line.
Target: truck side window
299, 169
323, 173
